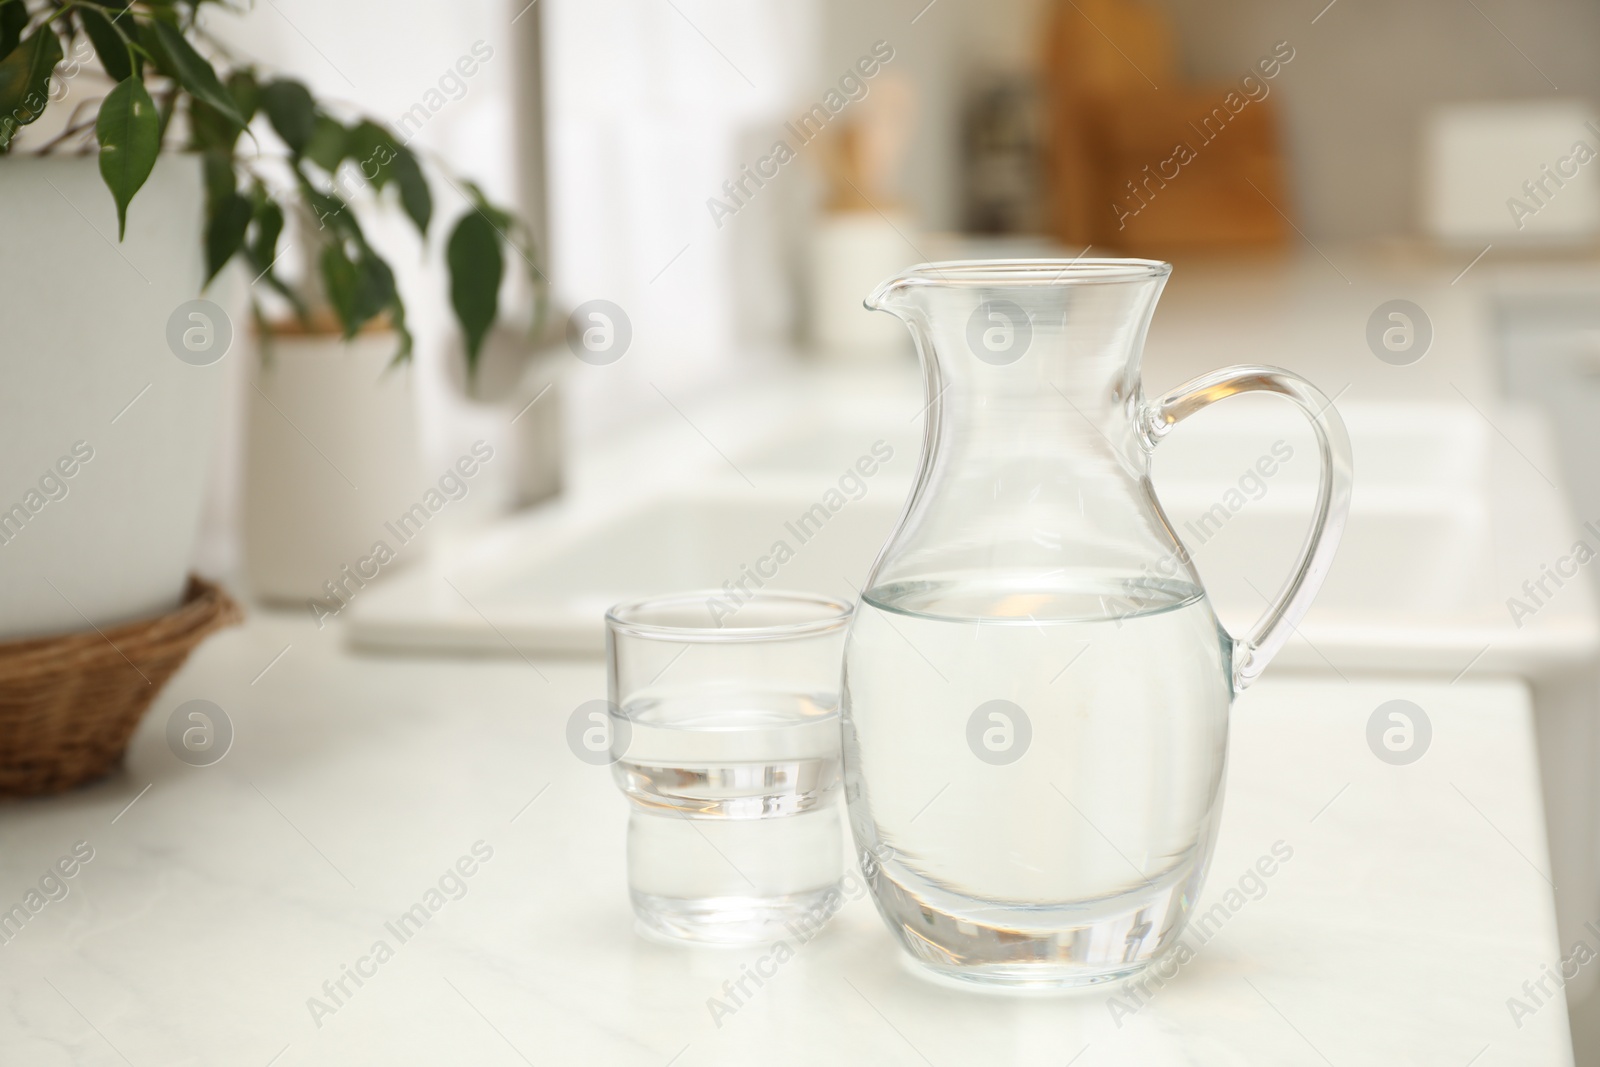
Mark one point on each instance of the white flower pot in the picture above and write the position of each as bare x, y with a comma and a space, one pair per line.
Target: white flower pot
330, 467
93, 387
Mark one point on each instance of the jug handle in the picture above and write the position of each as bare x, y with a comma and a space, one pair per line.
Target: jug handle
1252, 654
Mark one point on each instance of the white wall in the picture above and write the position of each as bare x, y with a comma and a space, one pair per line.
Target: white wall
651, 107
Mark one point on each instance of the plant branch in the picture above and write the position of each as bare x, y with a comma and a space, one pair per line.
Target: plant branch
73, 129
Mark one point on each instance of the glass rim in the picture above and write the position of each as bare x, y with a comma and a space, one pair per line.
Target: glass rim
979, 273
831, 614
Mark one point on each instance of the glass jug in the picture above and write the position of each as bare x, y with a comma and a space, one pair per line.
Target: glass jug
1036, 691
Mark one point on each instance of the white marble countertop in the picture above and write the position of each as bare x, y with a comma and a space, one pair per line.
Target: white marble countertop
218, 900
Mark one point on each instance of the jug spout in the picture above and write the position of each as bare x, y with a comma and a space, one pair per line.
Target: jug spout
890, 294
1058, 313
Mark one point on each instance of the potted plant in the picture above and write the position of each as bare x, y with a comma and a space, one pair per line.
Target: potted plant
176, 131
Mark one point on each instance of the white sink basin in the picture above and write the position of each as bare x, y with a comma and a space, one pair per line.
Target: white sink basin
1420, 582
545, 584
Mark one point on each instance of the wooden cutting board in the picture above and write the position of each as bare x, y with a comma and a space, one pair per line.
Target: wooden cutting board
1119, 118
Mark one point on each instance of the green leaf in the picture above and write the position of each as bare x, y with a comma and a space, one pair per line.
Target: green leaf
415, 196
245, 92
263, 250
230, 217
330, 212
25, 81
372, 150
109, 44
477, 264
339, 283
359, 289
129, 132
375, 289
383, 160
210, 129
501, 219
293, 113
13, 20
194, 71
220, 180
326, 148
142, 40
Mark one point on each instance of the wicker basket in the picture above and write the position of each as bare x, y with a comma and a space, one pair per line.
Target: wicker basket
69, 704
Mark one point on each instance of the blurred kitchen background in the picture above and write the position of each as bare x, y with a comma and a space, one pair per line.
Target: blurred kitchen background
1396, 200
1377, 158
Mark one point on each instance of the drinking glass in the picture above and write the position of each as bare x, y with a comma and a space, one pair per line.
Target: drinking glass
725, 739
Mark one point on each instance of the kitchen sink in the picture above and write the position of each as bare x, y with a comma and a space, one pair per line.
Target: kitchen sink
546, 589
1420, 582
